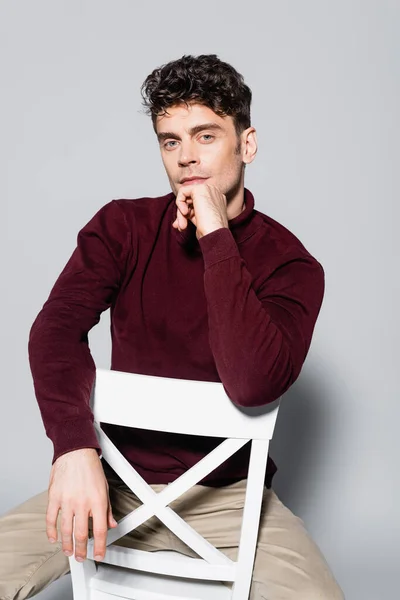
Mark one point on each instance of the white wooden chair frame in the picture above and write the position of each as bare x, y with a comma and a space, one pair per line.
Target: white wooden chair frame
179, 406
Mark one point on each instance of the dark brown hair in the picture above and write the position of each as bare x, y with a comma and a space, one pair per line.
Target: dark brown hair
204, 79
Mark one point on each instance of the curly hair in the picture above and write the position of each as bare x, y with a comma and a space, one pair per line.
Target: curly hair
204, 79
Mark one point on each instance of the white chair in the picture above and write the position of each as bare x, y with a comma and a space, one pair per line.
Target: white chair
180, 406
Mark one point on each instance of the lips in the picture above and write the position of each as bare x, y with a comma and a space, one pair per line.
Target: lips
192, 179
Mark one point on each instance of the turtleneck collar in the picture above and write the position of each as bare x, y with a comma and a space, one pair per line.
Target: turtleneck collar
242, 226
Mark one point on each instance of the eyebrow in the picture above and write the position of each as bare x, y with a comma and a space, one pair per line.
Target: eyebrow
196, 129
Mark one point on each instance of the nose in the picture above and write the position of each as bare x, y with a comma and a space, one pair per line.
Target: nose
187, 155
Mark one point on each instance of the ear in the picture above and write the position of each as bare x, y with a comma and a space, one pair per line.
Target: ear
249, 145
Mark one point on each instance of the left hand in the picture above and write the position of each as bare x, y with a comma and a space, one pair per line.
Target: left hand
202, 204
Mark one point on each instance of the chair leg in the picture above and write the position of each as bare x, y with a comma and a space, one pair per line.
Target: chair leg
81, 572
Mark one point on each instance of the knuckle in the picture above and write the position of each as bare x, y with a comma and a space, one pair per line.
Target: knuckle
102, 503
100, 498
52, 512
66, 527
51, 492
65, 498
99, 547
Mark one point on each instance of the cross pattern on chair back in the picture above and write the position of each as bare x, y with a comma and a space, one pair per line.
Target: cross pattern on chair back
190, 407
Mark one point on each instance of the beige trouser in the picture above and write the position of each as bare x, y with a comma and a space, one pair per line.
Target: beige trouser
288, 564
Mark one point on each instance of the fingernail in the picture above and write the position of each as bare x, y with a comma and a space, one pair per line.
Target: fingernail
97, 557
79, 559
67, 552
52, 540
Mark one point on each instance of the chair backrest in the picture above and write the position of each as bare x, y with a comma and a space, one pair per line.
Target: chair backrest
196, 408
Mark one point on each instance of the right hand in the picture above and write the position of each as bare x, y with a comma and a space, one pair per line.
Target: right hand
79, 488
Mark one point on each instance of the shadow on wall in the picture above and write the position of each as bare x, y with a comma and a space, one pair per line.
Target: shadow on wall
300, 443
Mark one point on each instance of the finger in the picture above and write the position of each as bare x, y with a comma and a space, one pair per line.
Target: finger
185, 204
81, 534
191, 214
110, 518
181, 214
182, 221
99, 532
182, 206
66, 530
186, 191
184, 199
51, 520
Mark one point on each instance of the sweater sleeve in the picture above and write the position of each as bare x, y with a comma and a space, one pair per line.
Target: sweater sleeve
259, 337
62, 366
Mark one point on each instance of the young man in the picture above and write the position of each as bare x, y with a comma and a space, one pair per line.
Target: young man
201, 286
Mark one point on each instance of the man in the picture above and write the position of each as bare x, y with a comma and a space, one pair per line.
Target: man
201, 286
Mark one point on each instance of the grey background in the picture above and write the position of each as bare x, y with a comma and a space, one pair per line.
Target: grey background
325, 80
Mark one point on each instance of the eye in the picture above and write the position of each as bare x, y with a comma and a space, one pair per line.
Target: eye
208, 135
166, 145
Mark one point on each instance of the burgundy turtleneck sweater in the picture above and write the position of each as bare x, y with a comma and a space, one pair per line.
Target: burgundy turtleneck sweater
238, 306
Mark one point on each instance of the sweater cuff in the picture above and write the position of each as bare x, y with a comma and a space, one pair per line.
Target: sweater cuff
217, 246
73, 435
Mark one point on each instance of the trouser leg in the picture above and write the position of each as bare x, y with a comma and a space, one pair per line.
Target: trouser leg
28, 562
288, 563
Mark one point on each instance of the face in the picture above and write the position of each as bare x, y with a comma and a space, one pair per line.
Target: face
196, 142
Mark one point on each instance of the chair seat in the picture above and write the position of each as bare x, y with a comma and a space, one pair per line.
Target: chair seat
111, 581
